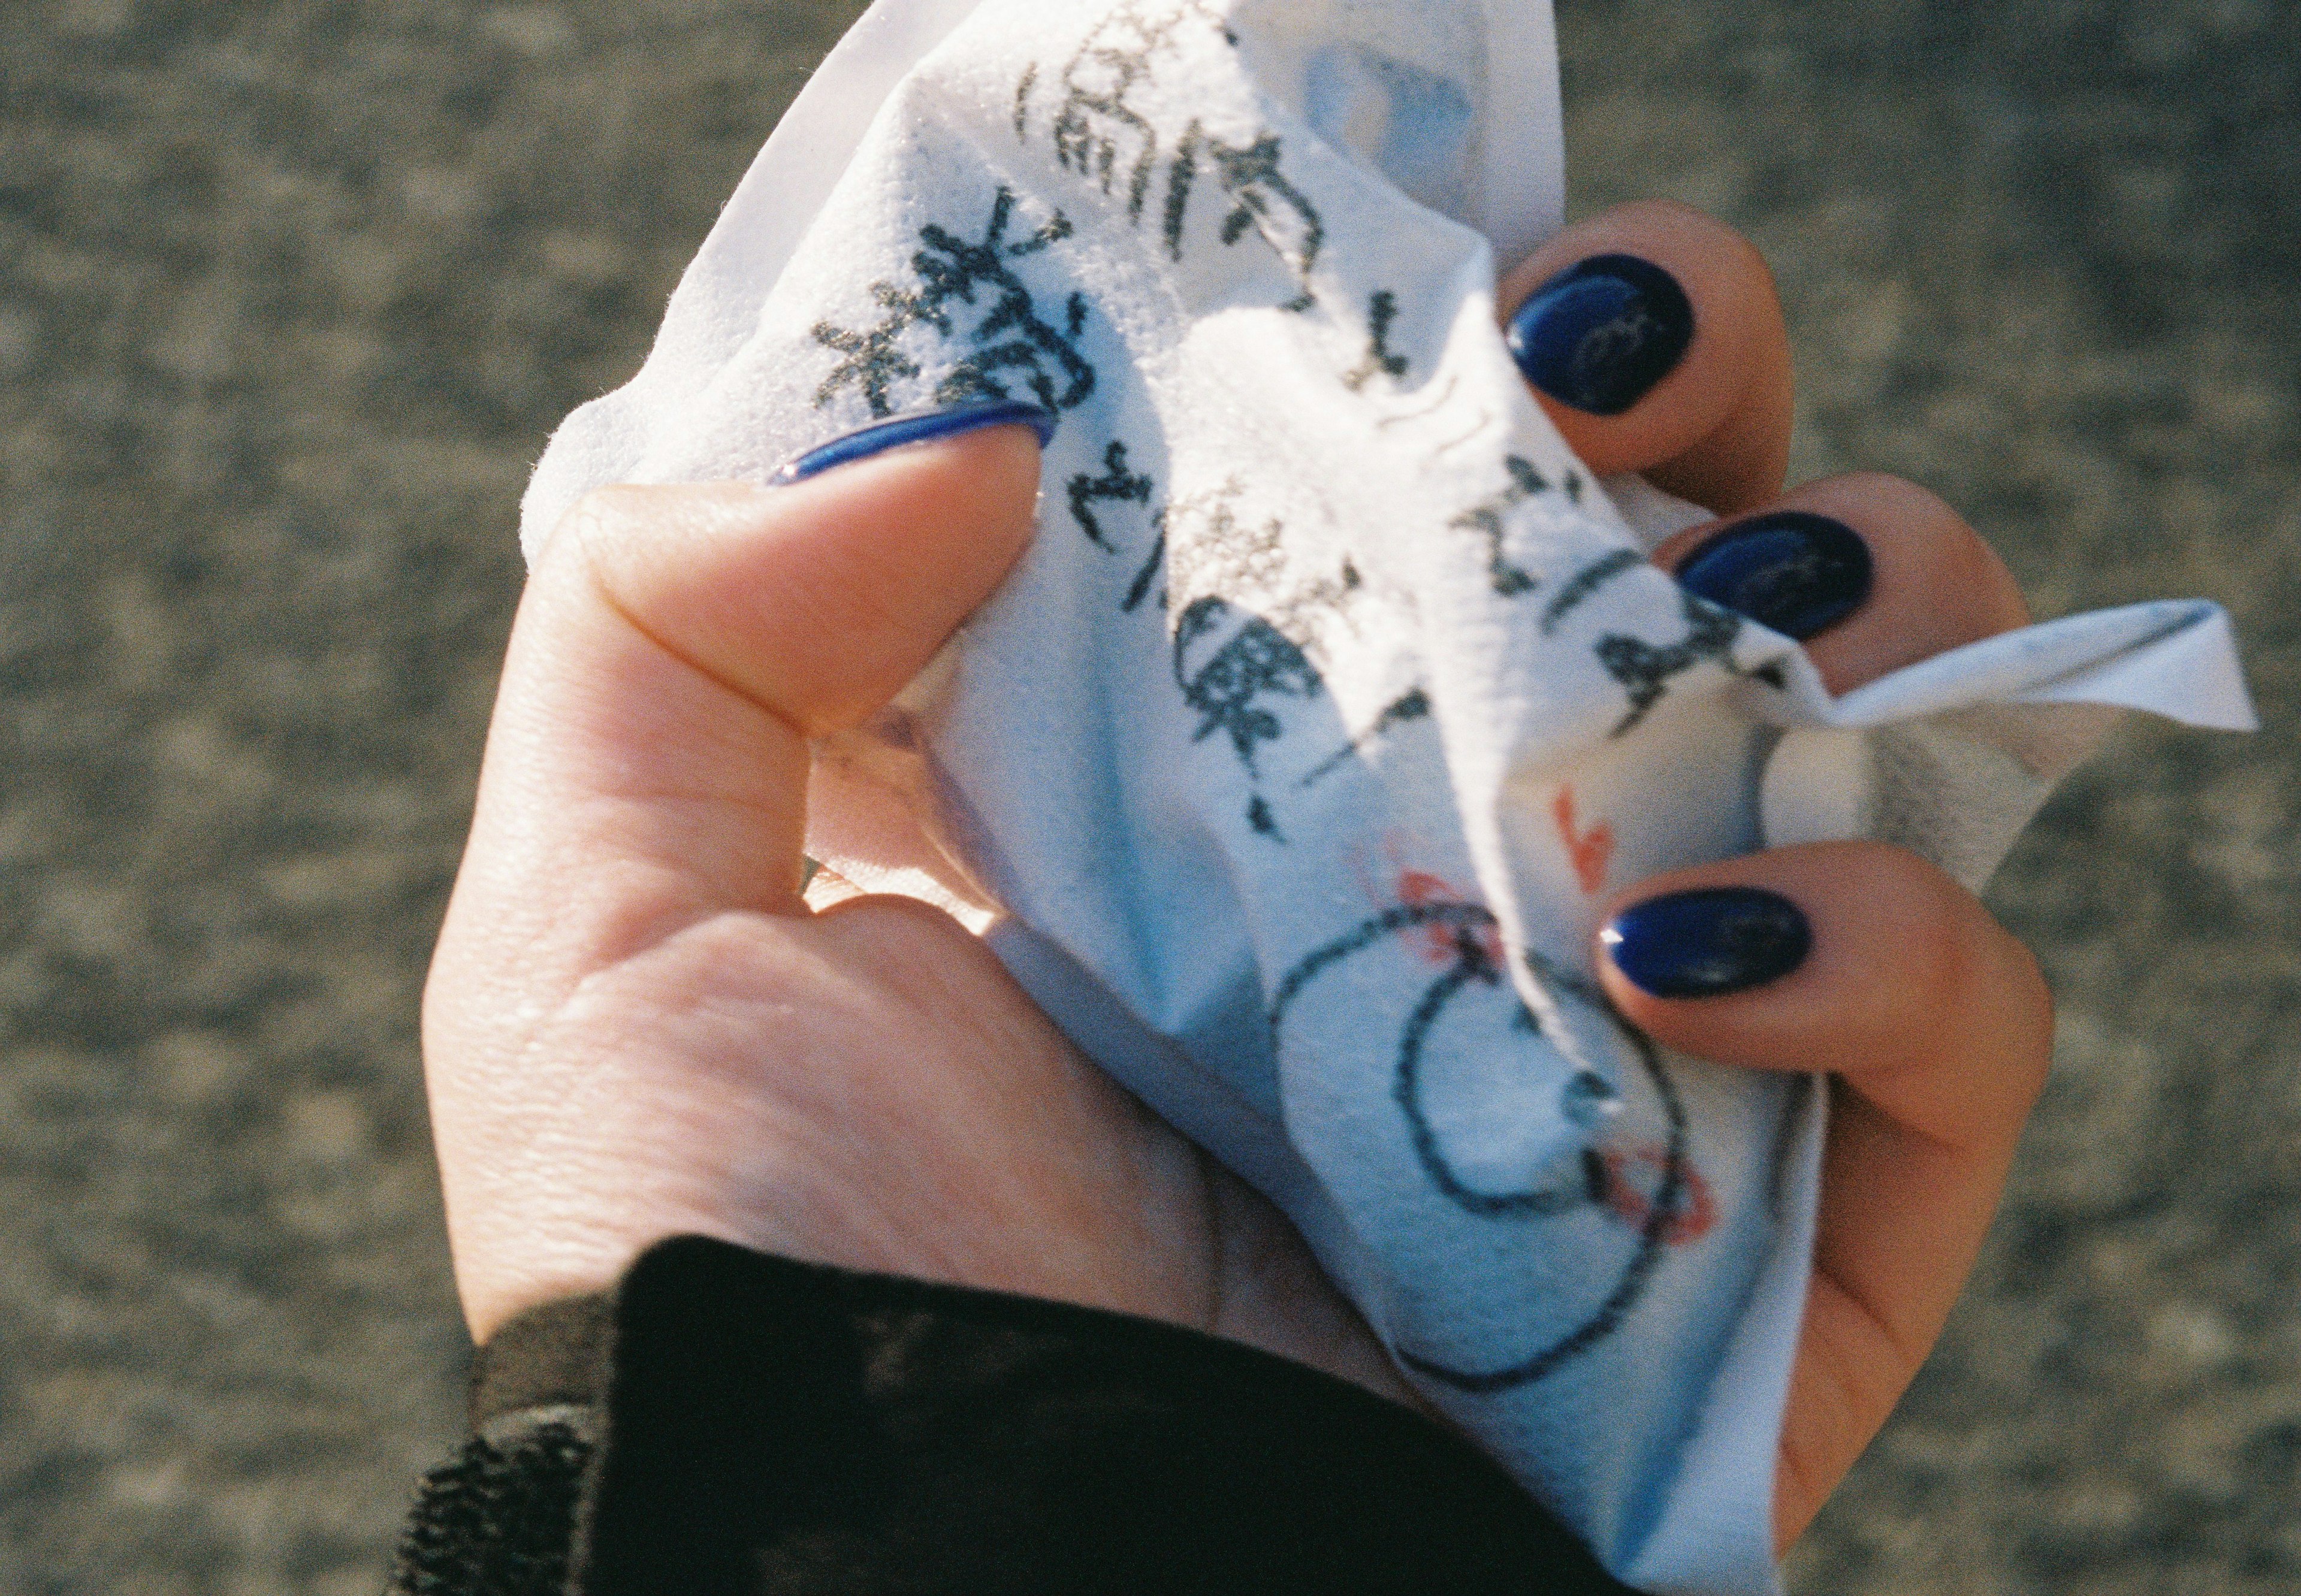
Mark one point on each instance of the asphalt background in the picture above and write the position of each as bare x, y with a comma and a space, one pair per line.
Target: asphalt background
290, 293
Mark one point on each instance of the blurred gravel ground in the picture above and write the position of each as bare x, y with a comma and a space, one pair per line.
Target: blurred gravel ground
289, 296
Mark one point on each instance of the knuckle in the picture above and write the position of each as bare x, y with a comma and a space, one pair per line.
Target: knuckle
2029, 1004
1957, 970
601, 511
597, 524
1937, 934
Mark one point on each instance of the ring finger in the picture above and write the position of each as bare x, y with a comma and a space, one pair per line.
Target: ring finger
1869, 572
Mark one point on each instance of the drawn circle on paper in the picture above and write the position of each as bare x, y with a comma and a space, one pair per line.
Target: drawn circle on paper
1468, 928
1408, 1091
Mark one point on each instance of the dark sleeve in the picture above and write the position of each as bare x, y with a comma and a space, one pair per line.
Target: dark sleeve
728, 1424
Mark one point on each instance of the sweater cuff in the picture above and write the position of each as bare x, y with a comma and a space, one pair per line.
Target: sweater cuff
744, 1425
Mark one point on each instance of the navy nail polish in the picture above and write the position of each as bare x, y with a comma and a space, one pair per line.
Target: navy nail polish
1708, 942
1600, 334
1795, 572
924, 426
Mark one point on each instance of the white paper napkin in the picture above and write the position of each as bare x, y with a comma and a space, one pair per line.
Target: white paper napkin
1289, 766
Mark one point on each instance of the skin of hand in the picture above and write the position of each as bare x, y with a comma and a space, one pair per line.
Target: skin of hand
635, 1025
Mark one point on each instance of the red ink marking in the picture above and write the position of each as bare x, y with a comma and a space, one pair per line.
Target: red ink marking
1419, 886
1695, 1212
1441, 943
1592, 851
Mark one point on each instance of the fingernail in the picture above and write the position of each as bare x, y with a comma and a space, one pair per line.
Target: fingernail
1795, 572
924, 426
1708, 942
1600, 334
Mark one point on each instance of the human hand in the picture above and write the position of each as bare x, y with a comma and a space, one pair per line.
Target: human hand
636, 1027
1932, 1021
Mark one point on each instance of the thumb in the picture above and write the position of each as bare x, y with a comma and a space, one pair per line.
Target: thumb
676, 651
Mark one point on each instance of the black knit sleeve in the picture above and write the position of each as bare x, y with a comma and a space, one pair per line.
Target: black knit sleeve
733, 1424
498, 1520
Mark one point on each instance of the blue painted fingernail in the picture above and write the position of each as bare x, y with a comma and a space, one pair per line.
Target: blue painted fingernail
1796, 573
1600, 334
924, 426
1708, 942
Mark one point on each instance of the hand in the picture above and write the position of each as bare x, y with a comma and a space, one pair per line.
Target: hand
636, 1027
1932, 1021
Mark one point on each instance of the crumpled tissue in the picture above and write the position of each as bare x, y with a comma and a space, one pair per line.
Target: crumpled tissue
1288, 769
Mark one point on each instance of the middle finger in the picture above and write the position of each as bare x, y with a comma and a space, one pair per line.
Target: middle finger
1869, 572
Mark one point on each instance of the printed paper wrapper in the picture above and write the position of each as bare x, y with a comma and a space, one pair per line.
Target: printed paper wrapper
1289, 767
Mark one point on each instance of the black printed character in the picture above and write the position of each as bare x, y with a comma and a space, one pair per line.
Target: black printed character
1644, 669
1011, 336
1585, 584
1412, 705
1381, 360
1103, 134
1205, 547
1097, 132
1226, 680
1116, 484
1507, 579
1262, 196
1243, 622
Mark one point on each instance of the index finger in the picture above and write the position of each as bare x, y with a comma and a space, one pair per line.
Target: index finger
1653, 339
